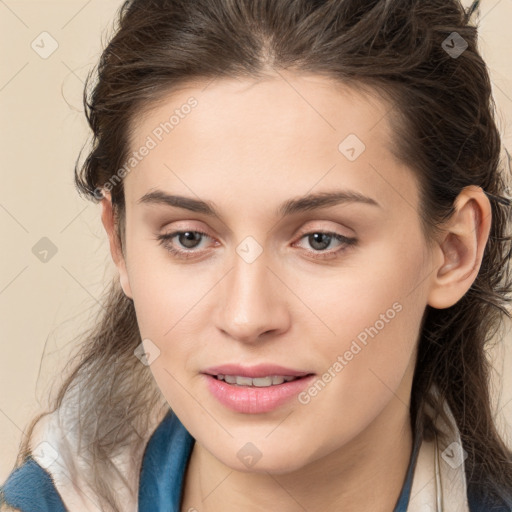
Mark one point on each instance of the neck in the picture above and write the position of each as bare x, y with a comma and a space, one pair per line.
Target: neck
366, 474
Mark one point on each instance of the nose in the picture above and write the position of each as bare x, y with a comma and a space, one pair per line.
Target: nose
252, 302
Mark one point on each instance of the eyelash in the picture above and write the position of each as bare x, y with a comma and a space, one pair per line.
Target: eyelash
165, 238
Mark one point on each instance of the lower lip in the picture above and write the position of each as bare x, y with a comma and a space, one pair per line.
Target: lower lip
252, 399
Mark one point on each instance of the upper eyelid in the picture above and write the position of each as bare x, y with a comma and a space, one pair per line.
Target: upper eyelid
301, 231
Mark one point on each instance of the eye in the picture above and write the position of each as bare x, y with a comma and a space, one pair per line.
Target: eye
188, 239
320, 240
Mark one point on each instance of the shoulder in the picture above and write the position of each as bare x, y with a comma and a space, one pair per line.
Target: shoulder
30, 488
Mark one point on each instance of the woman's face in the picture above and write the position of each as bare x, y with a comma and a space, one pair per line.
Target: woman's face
263, 286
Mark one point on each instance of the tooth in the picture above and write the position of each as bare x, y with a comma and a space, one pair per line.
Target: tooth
243, 381
271, 380
264, 381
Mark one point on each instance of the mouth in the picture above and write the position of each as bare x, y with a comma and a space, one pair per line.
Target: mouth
256, 395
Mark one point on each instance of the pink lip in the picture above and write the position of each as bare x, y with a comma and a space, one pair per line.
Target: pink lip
260, 370
254, 400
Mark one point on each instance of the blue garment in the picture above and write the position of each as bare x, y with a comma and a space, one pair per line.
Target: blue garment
31, 489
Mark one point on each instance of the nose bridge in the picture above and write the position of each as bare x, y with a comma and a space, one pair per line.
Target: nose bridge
252, 301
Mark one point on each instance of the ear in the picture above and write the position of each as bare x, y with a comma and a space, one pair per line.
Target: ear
460, 251
107, 218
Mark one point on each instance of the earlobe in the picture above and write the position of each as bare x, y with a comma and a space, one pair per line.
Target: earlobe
461, 248
107, 218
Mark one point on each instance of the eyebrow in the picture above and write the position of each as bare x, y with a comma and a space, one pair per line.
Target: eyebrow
289, 207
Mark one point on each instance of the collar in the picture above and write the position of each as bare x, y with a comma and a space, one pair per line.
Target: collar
435, 478
440, 478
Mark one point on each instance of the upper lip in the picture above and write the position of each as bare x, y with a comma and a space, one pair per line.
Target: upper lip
260, 370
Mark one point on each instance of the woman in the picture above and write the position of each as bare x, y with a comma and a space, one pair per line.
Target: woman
305, 204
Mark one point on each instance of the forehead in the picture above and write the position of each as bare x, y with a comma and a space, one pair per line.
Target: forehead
287, 131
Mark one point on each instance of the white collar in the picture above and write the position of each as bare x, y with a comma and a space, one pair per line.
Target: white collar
439, 481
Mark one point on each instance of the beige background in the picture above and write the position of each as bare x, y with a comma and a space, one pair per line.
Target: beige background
43, 128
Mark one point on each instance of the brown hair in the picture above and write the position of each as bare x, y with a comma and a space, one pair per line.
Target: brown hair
445, 131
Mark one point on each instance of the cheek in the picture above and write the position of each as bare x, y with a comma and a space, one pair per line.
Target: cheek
374, 312
164, 292
367, 364
370, 288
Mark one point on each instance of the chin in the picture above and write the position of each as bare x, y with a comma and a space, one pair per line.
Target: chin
265, 460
